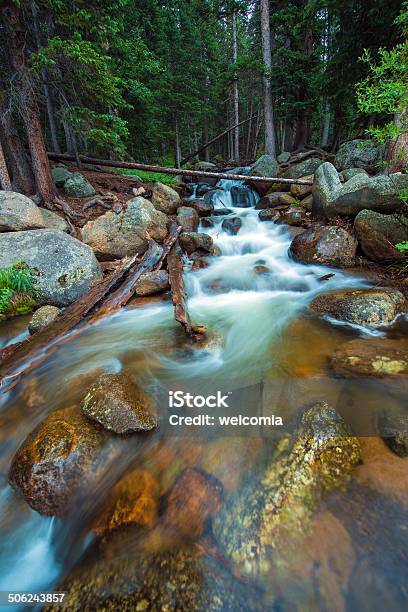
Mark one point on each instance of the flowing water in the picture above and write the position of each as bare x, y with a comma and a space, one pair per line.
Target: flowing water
253, 298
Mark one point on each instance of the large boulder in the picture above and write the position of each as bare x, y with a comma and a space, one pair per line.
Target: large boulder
191, 241
54, 221
359, 154
17, 212
377, 357
332, 198
66, 267
165, 199
77, 186
301, 191
283, 157
372, 307
328, 245
378, 234
117, 235
266, 165
303, 168
203, 208
59, 460
188, 218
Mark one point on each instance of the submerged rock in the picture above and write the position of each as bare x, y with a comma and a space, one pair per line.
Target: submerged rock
188, 218
165, 199
59, 460
194, 497
394, 431
359, 153
152, 282
191, 241
232, 225
77, 186
242, 197
119, 405
43, 317
116, 235
19, 213
66, 268
379, 357
279, 505
378, 234
328, 245
373, 307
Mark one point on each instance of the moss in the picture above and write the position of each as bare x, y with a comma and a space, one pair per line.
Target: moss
18, 293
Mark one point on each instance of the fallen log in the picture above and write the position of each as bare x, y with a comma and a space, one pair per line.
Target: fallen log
179, 171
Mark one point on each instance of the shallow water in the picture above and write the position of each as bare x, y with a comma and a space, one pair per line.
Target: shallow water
263, 335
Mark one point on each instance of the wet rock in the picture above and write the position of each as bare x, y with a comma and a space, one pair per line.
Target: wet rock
203, 208
379, 357
394, 431
242, 197
43, 317
268, 214
54, 221
77, 186
202, 189
191, 241
359, 154
18, 213
199, 264
349, 173
60, 174
301, 191
378, 234
165, 199
373, 307
215, 251
328, 245
261, 269
220, 212
304, 168
116, 403
187, 217
116, 235
59, 460
283, 158
232, 225
277, 506
206, 222
270, 200
66, 267
378, 193
133, 500
294, 216
152, 282
194, 497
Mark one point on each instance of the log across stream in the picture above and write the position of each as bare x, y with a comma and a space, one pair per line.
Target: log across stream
253, 299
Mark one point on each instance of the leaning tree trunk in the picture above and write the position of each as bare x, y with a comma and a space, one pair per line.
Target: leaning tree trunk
270, 146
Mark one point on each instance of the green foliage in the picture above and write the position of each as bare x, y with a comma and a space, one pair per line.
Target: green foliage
402, 246
18, 292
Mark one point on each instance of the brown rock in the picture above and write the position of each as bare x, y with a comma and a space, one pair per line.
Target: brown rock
133, 500
294, 216
187, 217
165, 199
152, 282
286, 199
268, 214
328, 245
194, 497
378, 357
192, 241
270, 200
307, 203
119, 405
43, 317
204, 208
301, 191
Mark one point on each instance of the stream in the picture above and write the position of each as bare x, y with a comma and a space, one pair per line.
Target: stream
253, 298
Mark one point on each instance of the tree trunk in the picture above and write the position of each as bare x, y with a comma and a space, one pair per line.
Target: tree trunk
270, 146
177, 146
302, 125
28, 105
397, 149
248, 142
235, 94
5, 182
326, 126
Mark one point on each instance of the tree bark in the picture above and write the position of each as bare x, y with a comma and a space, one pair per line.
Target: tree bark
235, 94
177, 146
326, 125
270, 146
5, 182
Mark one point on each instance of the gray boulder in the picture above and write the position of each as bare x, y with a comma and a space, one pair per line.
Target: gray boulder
117, 235
328, 245
346, 175
332, 198
205, 166
303, 168
43, 317
152, 282
77, 186
372, 307
17, 212
266, 165
53, 221
188, 218
66, 267
377, 235
359, 154
60, 174
284, 157
165, 199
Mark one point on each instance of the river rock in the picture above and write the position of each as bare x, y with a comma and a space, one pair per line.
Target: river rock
294, 216
66, 267
359, 154
378, 357
346, 175
301, 191
132, 501
206, 222
17, 212
165, 199
373, 307
202, 189
115, 235
286, 199
116, 403
59, 460
270, 200
394, 431
377, 235
60, 174
304, 168
283, 157
307, 203
204, 208
77, 186
187, 217
269, 214
328, 245
152, 282
279, 504
191, 241
231, 225
194, 497
43, 317
266, 165
378, 193
54, 221
221, 212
